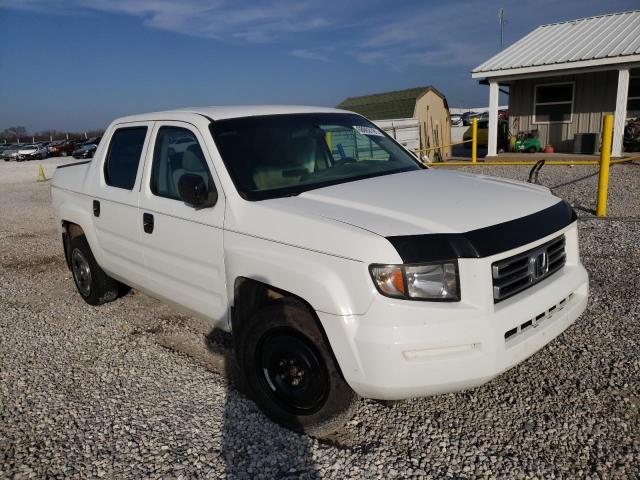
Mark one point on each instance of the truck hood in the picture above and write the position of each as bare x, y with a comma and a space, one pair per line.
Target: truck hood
427, 201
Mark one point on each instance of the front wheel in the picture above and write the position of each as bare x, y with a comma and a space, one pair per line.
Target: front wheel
290, 370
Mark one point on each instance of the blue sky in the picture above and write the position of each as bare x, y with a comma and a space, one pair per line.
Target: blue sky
77, 64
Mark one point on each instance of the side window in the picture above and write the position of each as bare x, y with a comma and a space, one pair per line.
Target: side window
176, 152
123, 157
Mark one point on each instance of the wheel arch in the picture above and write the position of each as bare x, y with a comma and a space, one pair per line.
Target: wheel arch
252, 295
70, 230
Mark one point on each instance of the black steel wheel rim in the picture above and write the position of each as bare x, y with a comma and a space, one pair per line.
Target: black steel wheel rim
81, 272
292, 371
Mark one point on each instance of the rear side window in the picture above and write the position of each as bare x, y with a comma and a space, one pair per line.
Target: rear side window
123, 157
177, 152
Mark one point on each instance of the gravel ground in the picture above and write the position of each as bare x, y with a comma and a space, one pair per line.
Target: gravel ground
132, 389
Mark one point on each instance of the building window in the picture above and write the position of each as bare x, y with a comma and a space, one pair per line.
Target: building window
553, 103
633, 101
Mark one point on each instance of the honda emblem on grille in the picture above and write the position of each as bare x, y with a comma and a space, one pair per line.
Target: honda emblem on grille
539, 263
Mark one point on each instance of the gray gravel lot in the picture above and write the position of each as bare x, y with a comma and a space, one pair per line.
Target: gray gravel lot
132, 389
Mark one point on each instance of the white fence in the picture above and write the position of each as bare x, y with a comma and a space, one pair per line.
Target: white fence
405, 130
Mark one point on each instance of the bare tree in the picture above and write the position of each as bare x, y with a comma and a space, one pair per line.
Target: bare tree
15, 133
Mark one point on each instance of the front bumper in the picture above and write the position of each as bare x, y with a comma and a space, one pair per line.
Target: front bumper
403, 349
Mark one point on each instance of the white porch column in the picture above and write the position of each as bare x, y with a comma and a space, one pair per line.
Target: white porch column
492, 134
621, 111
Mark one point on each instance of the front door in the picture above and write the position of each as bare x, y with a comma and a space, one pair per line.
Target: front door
182, 245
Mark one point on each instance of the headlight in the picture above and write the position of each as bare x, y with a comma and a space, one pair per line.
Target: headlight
433, 281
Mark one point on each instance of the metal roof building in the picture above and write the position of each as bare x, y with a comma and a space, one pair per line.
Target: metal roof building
564, 76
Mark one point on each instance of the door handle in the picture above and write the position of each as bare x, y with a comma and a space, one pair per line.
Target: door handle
147, 222
96, 208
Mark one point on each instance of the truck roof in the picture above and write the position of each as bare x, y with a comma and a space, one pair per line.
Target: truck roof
231, 111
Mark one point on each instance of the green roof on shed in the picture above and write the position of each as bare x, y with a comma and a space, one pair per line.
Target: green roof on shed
387, 105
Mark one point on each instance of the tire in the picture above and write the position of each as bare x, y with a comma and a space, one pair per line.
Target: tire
309, 395
63, 154
532, 150
93, 284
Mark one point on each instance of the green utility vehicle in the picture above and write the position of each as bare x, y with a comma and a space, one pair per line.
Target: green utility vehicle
527, 142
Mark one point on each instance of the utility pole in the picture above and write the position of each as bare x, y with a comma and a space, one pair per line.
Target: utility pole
501, 19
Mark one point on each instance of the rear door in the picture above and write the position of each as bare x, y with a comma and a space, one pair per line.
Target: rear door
182, 246
115, 202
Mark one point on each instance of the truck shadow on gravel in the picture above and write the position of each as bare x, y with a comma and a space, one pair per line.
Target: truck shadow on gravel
253, 445
250, 444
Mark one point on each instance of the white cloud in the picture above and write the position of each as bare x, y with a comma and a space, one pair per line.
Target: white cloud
224, 20
429, 34
309, 55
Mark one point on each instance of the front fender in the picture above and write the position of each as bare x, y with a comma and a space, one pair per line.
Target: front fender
330, 284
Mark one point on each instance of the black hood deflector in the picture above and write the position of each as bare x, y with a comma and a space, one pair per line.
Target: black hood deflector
486, 241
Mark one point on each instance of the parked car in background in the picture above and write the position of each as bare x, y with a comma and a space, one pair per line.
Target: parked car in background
456, 120
32, 152
483, 134
93, 141
11, 153
62, 149
467, 117
53, 145
86, 150
483, 129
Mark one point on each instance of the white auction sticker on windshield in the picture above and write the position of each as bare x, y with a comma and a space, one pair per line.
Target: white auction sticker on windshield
368, 130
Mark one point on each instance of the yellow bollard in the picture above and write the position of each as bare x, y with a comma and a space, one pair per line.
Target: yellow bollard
474, 140
605, 159
41, 177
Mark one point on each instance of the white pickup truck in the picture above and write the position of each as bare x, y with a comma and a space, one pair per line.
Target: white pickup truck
342, 265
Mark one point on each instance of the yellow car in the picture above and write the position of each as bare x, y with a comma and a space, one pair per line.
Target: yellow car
483, 134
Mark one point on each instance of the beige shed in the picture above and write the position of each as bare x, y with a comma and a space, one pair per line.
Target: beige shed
425, 106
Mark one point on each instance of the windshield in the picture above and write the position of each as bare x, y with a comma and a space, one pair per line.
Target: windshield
280, 155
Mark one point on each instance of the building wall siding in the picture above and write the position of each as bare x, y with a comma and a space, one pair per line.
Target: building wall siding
594, 95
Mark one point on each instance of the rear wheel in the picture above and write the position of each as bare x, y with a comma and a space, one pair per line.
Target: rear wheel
532, 150
290, 370
93, 284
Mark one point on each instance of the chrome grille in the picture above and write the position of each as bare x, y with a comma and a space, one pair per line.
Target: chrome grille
515, 274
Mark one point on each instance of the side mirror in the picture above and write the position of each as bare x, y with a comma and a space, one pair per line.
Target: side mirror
195, 193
